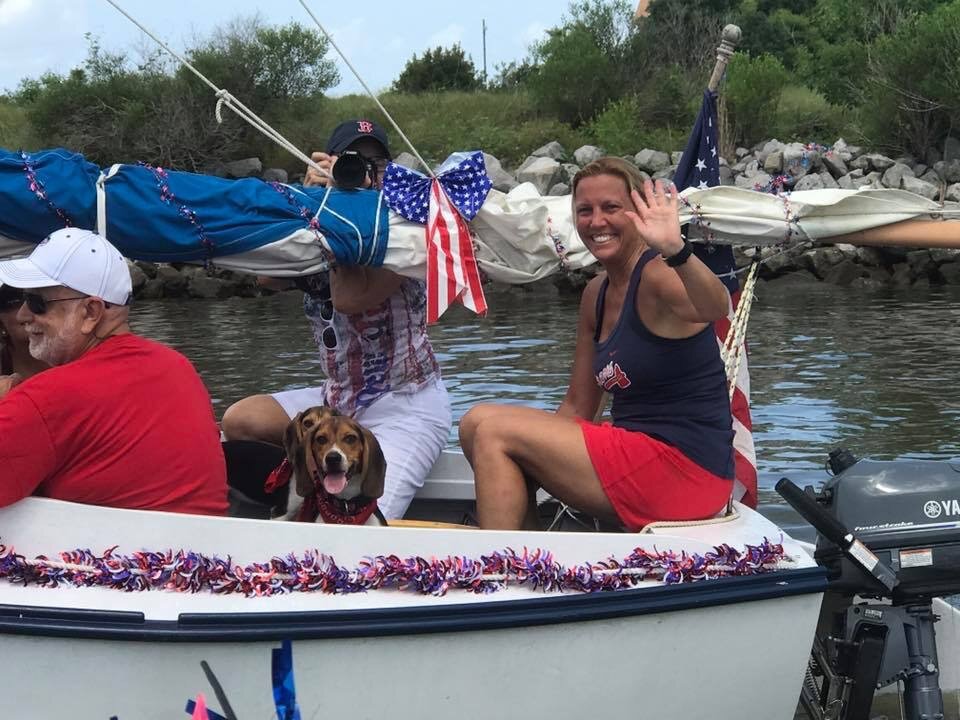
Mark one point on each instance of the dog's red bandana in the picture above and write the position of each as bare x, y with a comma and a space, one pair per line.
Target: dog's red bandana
330, 509
279, 477
338, 512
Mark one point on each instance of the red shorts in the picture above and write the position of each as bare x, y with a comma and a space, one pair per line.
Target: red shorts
647, 480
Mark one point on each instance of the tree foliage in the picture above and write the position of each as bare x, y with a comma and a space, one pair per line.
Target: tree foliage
513, 75
260, 64
684, 33
579, 68
115, 110
912, 85
574, 79
752, 93
879, 71
439, 69
812, 58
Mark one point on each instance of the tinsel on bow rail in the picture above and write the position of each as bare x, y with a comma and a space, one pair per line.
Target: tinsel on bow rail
317, 572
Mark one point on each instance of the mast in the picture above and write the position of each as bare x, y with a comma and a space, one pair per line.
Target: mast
729, 40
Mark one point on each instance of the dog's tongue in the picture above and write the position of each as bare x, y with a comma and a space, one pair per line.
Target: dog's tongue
334, 483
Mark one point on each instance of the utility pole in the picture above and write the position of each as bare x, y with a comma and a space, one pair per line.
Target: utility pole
484, 21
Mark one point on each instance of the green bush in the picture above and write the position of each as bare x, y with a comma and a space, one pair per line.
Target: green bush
622, 129
512, 75
912, 85
804, 115
507, 125
438, 69
113, 112
575, 78
752, 92
15, 130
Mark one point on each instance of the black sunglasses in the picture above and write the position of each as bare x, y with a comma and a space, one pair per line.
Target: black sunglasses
8, 304
38, 304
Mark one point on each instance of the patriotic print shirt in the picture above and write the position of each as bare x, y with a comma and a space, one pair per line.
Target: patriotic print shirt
366, 355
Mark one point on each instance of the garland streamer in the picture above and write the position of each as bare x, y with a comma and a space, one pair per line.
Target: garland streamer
302, 209
314, 571
558, 245
39, 189
166, 196
697, 220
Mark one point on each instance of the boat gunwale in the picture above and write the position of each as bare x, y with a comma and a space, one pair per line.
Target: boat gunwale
126, 625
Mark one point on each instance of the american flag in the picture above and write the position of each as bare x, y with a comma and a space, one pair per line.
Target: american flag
444, 204
452, 272
700, 168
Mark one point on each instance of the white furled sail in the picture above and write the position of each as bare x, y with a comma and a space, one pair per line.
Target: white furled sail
287, 230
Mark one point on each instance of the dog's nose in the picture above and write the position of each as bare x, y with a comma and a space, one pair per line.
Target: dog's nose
333, 460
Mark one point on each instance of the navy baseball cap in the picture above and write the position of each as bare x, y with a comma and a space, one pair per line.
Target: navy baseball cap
347, 133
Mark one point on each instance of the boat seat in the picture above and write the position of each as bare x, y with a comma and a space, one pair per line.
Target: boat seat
429, 524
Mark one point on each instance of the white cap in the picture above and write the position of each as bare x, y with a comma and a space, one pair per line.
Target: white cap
78, 259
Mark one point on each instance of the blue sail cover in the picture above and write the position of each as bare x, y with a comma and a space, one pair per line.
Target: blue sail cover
45, 191
170, 216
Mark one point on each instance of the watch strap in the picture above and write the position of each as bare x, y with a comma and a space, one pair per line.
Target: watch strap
682, 256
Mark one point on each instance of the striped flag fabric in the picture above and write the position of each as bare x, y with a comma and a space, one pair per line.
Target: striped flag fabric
452, 272
700, 168
445, 203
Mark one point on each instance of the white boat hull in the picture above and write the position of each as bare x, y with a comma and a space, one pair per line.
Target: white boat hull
718, 649
734, 661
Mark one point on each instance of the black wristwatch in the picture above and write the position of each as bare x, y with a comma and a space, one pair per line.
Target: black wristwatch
682, 256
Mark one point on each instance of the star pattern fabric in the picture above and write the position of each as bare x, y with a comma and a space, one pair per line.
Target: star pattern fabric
465, 182
700, 165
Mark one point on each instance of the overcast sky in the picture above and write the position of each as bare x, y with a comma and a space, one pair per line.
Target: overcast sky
378, 36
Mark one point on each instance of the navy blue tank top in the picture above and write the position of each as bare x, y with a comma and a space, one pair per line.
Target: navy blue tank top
674, 390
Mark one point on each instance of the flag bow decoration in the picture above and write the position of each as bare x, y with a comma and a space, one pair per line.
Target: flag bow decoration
445, 204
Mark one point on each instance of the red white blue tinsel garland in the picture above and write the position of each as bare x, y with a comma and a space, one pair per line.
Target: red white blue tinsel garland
186, 571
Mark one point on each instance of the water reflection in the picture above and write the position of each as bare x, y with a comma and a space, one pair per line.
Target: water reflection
872, 371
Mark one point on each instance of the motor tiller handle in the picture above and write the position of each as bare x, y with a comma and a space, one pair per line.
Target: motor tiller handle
834, 531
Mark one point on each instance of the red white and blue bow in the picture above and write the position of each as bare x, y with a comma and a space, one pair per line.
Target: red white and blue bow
444, 204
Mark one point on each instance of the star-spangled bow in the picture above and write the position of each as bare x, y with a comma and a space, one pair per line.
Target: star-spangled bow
462, 175
444, 204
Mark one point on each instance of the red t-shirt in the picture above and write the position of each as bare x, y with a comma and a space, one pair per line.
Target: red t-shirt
128, 424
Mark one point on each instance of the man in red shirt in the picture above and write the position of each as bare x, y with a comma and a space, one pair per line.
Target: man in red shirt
118, 420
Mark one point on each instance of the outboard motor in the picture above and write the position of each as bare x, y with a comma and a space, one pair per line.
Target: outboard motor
889, 536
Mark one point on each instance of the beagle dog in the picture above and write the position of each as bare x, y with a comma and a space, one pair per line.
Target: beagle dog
337, 469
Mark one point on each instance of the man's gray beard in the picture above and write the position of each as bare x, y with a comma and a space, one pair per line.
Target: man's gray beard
58, 350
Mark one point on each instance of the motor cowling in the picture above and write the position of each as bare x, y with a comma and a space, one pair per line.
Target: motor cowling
908, 513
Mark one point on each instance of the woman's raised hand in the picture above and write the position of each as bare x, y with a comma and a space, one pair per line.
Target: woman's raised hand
657, 218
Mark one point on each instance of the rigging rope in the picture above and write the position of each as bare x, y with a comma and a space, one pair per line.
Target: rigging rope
733, 345
365, 87
224, 98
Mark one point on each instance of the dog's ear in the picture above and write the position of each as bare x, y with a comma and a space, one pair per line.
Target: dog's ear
302, 475
373, 465
294, 442
293, 437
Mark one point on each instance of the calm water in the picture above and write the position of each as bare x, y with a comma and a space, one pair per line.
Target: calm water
872, 371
